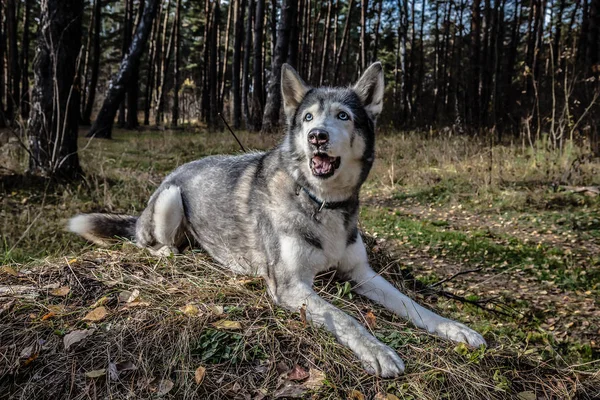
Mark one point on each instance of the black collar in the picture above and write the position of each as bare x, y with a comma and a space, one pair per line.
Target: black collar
330, 205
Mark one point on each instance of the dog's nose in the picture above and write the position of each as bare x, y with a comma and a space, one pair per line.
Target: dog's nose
318, 137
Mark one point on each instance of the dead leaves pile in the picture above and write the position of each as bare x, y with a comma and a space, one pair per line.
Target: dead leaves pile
296, 382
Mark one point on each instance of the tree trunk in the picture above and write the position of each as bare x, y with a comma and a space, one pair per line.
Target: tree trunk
212, 70
340, 53
55, 97
273, 103
258, 100
292, 57
91, 89
133, 90
85, 70
246, 67
223, 72
364, 4
240, 8
14, 72
475, 59
149, 91
102, 127
176, 66
127, 32
25, 61
2, 75
161, 70
376, 30
325, 52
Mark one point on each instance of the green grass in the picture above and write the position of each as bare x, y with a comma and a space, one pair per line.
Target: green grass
477, 249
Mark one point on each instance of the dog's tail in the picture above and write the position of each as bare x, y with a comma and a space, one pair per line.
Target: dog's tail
103, 229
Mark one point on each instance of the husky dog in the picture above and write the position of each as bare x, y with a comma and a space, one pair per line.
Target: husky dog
288, 214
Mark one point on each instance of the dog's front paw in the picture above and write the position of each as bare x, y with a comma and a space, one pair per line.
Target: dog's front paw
379, 359
459, 333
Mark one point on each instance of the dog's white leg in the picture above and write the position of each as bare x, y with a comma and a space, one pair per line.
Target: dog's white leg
376, 288
168, 219
376, 357
290, 285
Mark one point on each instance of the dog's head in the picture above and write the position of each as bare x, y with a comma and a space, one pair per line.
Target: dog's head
331, 131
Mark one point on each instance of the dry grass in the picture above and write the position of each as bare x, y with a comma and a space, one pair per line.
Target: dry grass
164, 340
167, 341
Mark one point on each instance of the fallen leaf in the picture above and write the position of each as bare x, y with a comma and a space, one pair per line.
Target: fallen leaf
356, 395
72, 260
76, 336
164, 387
116, 369
9, 270
303, 315
135, 304
216, 309
97, 314
297, 373
61, 291
290, 390
100, 302
385, 396
371, 320
96, 373
127, 297
191, 310
48, 316
226, 324
56, 309
315, 379
526, 395
199, 374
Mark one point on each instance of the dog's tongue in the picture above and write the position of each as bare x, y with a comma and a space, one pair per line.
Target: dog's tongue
322, 164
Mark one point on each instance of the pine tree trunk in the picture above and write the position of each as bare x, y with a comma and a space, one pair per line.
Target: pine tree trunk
102, 127
127, 32
258, 100
213, 77
161, 69
2, 75
14, 72
54, 118
475, 59
273, 103
376, 29
340, 53
25, 61
325, 51
85, 70
364, 5
292, 57
133, 90
91, 89
246, 77
223, 72
240, 8
176, 66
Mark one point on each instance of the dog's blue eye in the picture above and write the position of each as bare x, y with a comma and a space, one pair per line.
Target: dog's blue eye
308, 117
343, 116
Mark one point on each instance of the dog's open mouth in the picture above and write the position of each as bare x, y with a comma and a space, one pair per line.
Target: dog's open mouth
324, 166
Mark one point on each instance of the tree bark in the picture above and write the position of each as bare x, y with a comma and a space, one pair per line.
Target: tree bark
25, 61
223, 72
91, 89
212, 70
102, 127
258, 99
14, 72
376, 30
340, 53
273, 103
133, 89
364, 4
240, 8
2, 75
127, 32
246, 77
55, 97
326, 35
149, 91
176, 65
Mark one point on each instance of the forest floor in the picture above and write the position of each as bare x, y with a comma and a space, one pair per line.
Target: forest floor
485, 236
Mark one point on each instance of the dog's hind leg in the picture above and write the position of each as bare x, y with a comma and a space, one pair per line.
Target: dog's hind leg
161, 226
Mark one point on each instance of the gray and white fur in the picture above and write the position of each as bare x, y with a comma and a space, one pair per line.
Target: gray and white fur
288, 214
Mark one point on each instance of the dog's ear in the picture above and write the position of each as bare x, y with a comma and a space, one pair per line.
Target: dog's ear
293, 90
370, 88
